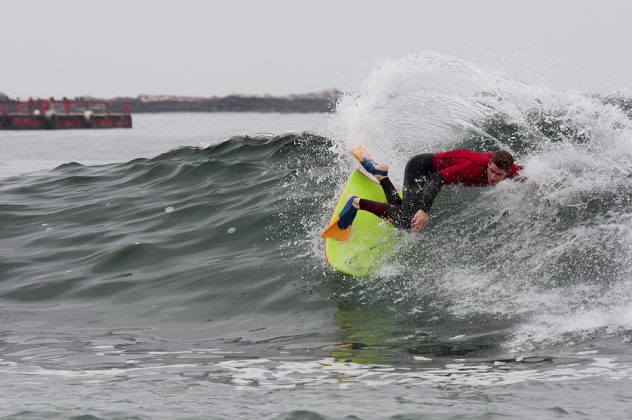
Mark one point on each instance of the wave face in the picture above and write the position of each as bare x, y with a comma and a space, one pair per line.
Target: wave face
188, 235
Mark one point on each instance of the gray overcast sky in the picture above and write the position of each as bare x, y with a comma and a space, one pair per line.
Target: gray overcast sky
205, 48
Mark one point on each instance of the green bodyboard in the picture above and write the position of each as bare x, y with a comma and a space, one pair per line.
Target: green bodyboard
371, 239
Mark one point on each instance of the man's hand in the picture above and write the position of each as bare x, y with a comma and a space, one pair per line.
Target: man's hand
419, 221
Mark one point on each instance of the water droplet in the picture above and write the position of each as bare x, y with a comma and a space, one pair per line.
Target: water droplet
231, 230
168, 209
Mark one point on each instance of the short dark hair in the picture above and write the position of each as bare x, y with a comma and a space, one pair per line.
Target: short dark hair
503, 160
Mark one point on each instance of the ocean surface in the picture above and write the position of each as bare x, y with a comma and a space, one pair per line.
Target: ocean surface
174, 270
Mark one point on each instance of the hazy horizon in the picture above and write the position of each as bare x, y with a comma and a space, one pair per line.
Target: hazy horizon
280, 47
192, 97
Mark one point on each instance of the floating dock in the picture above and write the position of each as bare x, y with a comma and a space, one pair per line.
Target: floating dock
50, 114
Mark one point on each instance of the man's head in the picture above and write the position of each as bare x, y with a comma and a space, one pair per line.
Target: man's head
499, 166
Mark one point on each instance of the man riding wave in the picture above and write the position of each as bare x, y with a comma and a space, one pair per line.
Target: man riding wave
424, 176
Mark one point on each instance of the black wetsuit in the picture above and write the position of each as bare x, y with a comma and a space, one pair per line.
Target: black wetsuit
421, 185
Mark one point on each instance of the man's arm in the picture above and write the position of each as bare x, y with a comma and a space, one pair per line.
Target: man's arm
422, 202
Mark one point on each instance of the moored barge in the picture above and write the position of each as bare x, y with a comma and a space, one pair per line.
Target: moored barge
49, 114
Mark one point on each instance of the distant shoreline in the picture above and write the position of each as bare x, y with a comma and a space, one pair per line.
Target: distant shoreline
316, 102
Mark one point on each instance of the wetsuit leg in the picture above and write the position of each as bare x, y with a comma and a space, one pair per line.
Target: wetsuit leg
392, 197
421, 185
381, 210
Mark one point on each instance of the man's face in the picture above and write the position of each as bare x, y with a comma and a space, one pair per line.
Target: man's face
495, 174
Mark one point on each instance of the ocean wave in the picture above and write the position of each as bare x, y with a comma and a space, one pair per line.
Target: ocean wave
138, 228
232, 229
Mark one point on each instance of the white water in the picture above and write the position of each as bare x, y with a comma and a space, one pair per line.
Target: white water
553, 253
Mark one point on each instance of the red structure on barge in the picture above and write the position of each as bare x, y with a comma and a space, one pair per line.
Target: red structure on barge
48, 114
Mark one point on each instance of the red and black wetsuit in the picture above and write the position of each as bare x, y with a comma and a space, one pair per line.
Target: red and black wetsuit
424, 176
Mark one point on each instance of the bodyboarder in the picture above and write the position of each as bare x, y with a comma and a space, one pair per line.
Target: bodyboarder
424, 176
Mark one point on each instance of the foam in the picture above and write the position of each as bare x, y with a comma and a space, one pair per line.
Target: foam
553, 252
